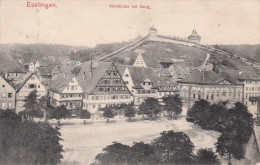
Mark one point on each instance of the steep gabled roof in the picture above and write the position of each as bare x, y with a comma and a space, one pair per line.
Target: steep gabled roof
157, 75
61, 82
8, 82
92, 77
19, 86
8, 65
86, 78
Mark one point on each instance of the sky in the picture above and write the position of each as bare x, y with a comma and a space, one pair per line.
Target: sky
91, 22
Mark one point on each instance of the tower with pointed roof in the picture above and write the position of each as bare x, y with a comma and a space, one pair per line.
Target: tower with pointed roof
194, 37
153, 31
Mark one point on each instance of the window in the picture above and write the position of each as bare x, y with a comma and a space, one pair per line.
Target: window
3, 105
32, 78
72, 87
9, 104
212, 97
68, 87
9, 95
94, 106
31, 86
194, 96
3, 95
3, 86
126, 75
39, 86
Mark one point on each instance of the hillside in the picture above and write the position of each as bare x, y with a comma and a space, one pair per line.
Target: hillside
250, 52
33, 51
178, 54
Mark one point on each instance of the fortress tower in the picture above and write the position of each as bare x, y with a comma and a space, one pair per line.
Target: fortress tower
153, 31
194, 37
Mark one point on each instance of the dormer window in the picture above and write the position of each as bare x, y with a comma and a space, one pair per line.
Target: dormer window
126, 75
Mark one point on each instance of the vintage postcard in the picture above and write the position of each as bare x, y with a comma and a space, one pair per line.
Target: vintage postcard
129, 82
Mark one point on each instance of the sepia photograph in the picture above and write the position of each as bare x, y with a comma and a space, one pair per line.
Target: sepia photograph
130, 82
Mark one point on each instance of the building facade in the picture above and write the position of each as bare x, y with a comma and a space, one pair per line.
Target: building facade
91, 86
66, 91
103, 86
149, 82
30, 84
7, 94
250, 93
210, 86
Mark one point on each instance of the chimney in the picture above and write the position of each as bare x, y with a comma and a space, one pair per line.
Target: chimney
91, 68
202, 76
84, 76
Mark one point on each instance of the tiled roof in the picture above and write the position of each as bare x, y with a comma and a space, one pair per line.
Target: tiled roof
27, 77
89, 82
61, 82
121, 68
157, 75
47, 70
98, 72
207, 77
12, 85
8, 65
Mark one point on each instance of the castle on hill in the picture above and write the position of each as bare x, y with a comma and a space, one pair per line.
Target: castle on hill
193, 38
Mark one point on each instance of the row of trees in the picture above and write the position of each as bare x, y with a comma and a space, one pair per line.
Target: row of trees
28, 142
150, 107
235, 124
170, 148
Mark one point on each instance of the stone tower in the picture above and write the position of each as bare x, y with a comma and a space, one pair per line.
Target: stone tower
153, 31
194, 37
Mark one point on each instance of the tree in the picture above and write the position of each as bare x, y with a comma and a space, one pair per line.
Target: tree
198, 113
84, 114
206, 156
31, 105
173, 104
236, 133
174, 147
43, 104
150, 107
217, 118
142, 153
116, 153
108, 113
28, 142
129, 111
60, 113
